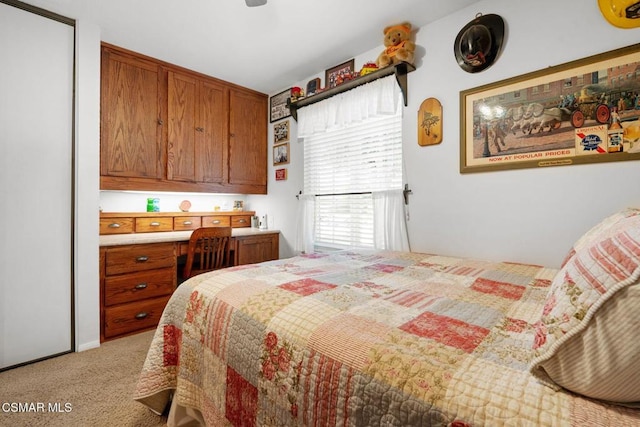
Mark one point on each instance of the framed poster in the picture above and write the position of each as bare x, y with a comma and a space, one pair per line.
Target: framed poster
278, 106
584, 111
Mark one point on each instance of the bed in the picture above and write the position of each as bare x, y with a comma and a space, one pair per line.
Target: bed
379, 338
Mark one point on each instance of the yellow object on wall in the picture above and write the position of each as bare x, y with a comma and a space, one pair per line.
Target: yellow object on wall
430, 122
621, 13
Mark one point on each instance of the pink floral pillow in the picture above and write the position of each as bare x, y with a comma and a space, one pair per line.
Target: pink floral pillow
587, 338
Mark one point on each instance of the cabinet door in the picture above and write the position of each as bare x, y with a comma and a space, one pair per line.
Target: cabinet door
247, 138
131, 134
181, 148
197, 134
212, 139
254, 249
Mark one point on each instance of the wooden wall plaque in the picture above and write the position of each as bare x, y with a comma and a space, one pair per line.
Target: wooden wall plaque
430, 122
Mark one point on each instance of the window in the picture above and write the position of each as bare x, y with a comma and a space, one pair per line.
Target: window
342, 167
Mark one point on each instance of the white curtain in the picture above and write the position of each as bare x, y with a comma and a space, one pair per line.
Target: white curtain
305, 226
389, 226
379, 97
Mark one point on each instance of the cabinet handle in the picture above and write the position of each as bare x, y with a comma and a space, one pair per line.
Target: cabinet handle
141, 315
155, 224
215, 221
160, 122
142, 285
187, 223
242, 221
199, 129
114, 225
142, 258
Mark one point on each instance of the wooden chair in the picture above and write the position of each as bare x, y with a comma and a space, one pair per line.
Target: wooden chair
209, 249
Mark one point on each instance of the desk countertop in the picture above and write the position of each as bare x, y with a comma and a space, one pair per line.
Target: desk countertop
169, 236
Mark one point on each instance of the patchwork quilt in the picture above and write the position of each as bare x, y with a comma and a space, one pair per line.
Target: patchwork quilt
361, 338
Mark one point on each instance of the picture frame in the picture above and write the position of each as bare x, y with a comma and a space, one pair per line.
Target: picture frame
313, 87
281, 154
583, 111
279, 106
331, 75
281, 132
281, 174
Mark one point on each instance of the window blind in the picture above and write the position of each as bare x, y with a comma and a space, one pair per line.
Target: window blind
341, 167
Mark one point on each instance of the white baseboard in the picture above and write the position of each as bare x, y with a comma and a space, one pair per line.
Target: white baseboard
88, 346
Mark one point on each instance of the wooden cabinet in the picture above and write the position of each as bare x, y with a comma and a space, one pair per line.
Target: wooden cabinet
116, 225
256, 248
247, 152
166, 128
130, 130
136, 281
149, 222
197, 129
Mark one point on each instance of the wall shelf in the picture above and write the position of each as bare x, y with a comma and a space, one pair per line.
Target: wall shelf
400, 70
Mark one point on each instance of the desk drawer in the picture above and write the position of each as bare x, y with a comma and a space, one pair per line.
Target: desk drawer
126, 259
181, 223
216, 221
238, 221
132, 317
131, 287
150, 225
116, 225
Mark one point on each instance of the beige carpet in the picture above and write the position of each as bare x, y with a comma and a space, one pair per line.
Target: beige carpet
91, 388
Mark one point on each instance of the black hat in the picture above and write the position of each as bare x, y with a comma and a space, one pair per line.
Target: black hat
478, 43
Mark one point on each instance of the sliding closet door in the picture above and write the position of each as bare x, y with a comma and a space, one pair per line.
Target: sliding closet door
36, 183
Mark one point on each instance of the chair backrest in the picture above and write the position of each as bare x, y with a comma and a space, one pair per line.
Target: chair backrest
209, 249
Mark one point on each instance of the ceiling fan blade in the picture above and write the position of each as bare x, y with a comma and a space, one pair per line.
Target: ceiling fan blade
253, 3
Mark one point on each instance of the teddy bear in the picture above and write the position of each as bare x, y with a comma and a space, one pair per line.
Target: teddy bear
398, 47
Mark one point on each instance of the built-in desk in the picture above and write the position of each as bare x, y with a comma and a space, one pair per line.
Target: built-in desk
139, 272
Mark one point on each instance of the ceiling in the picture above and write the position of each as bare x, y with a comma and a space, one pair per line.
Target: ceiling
266, 48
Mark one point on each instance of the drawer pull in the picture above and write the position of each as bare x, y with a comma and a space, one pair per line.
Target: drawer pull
114, 225
142, 285
242, 220
187, 223
141, 315
215, 221
155, 224
142, 259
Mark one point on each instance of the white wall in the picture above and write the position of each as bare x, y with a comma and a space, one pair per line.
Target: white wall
87, 285
136, 201
528, 215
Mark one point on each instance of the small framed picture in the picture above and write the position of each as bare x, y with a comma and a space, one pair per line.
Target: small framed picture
281, 132
313, 87
281, 154
238, 205
281, 174
278, 106
335, 75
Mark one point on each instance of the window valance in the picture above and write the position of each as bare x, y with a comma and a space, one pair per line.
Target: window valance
374, 99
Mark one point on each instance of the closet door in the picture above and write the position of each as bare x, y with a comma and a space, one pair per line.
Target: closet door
36, 185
